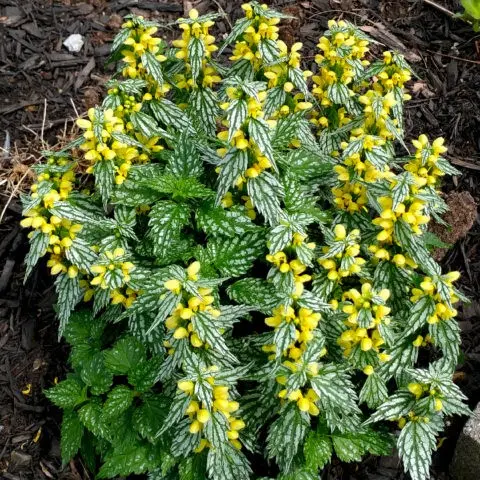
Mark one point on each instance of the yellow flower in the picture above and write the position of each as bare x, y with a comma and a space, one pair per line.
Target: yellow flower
193, 270
415, 389
173, 285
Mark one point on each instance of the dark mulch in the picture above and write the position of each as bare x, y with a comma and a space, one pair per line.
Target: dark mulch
42, 86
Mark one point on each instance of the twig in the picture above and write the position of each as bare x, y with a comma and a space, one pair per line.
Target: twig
447, 11
464, 164
476, 62
43, 121
439, 7
223, 14
74, 107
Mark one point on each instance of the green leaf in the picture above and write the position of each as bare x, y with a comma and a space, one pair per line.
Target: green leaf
149, 417
153, 67
170, 115
260, 132
432, 241
143, 376
275, 99
145, 124
196, 52
166, 220
418, 314
81, 254
265, 192
446, 335
104, 172
219, 221
118, 400
233, 165
208, 332
181, 188
193, 468
268, 50
351, 446
126, 460
338, 93
38, 247
286, 434
398, 405
236, 112
284, 336
227, 463
93, 373
66, 394
125, 355
203, 103
317, 450
256, 292
91, 417
415, 445
235, 257
301, 473
347, 449
71, 435
374, 391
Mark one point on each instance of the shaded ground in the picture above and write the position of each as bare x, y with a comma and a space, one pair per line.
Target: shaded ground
42, 86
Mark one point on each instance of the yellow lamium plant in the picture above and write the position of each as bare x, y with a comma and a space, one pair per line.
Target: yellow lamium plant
242, 259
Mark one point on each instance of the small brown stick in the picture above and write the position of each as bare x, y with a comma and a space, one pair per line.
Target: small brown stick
476, 62
446, 11
463, 163
439, 7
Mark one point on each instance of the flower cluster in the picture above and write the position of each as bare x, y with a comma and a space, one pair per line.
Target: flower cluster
411, 213
443, 301
200, 413
366, 312
306, 398
139, 41
423, 166
105, 147
196, 28
344, 263
112, 269
305, 322
261, 28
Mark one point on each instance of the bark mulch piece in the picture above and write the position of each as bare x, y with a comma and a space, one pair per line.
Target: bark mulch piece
43, 86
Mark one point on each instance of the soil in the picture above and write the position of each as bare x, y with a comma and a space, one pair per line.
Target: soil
43, 86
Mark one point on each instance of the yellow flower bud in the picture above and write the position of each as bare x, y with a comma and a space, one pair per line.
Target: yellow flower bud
203, 415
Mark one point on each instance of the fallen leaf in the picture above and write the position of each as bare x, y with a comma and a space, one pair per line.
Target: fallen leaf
422, 88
